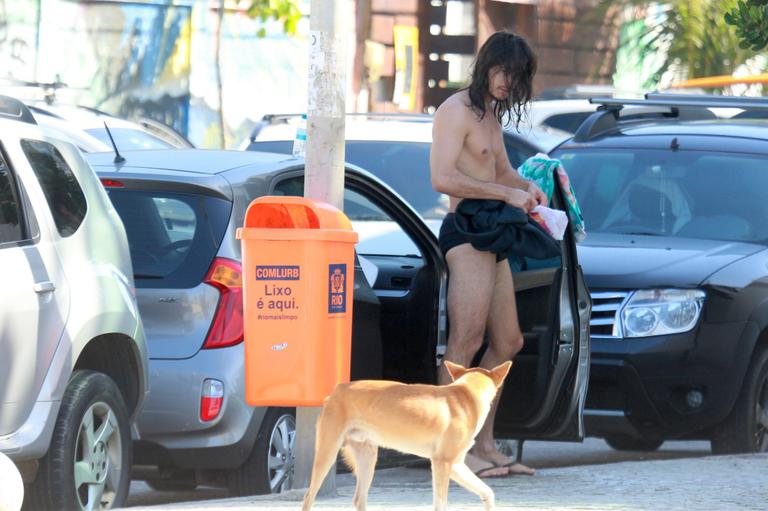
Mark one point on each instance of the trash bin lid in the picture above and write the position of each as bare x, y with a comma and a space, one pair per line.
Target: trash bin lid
291, 213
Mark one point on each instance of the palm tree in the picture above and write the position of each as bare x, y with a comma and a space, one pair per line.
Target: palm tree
691, 36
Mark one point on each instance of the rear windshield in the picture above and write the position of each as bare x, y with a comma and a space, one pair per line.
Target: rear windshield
173, 237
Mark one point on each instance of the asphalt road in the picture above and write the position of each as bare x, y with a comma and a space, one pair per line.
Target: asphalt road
536, 454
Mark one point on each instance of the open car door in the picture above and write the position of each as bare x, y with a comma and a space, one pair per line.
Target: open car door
545, 392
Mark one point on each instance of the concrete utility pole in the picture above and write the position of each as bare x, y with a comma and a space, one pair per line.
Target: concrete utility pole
324, 175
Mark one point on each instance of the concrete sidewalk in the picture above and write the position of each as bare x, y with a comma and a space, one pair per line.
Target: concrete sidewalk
702, 484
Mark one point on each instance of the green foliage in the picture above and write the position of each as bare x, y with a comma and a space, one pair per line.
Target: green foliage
693, 34
285, 11
750, 18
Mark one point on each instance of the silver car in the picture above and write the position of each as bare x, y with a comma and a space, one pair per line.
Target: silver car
73, 363
181, 209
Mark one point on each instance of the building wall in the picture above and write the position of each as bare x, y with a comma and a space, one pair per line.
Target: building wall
572, 46
379, 49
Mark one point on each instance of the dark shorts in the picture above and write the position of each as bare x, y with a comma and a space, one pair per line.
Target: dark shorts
450, 236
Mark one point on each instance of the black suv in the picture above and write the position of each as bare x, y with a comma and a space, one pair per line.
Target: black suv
675, 201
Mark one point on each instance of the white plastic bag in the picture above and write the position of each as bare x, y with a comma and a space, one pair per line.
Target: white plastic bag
553, 221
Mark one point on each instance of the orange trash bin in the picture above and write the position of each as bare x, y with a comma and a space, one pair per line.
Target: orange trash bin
298, 281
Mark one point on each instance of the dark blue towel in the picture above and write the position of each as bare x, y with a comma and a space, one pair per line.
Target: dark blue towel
495, 226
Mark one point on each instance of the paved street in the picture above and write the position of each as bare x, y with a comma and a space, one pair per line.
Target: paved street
709, 483
541, 455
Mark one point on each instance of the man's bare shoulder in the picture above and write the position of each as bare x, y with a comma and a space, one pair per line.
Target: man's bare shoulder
455, 108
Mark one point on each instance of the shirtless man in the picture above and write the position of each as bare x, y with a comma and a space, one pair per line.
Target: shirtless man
468, 161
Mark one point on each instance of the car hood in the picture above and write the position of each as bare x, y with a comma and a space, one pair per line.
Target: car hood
620, 261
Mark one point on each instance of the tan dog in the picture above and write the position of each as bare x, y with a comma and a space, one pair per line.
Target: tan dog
435, 422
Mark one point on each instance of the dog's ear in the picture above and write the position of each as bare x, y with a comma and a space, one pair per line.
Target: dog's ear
455, 370
500, 372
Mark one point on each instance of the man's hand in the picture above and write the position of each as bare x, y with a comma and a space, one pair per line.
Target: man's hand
539, 196
521, 199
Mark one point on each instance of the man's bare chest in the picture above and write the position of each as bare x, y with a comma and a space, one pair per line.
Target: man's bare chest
481, 143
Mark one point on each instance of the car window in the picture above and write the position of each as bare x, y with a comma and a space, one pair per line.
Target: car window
405, 167
708, 195
517, 154
10, 211
569, 122
62, 191
127, 138
272, 146
379, 233
173, 237
402, 165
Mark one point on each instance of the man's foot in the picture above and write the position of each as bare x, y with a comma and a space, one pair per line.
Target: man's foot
515, 469
484, 469
499, 460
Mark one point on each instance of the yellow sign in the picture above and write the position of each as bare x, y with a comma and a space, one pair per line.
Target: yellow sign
406, 66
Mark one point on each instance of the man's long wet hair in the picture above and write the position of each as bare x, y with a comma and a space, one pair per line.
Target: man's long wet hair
518, 62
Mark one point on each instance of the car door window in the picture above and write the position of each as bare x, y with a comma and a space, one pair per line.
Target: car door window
62, 191
11, 229
379, 233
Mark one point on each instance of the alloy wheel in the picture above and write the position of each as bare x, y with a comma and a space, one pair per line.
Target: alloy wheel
282, 454
98, 457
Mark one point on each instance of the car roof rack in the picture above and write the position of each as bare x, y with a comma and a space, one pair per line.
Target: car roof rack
659, 105
12, 108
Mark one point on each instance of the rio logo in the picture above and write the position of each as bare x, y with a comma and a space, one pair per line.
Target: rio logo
337, 297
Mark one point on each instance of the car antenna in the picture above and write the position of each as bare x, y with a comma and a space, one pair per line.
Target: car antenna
118, 157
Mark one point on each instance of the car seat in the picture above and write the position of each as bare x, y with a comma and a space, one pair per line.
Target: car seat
651, 209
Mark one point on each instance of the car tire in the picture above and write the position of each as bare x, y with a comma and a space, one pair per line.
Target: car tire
276, 441
171, 484
628, 443
92, 412
746, 427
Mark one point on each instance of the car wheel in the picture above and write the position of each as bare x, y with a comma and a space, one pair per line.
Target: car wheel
628, 443
746, 428
269, 467
171, 484
88, 462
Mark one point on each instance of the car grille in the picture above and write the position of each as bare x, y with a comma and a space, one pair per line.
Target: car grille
605, 308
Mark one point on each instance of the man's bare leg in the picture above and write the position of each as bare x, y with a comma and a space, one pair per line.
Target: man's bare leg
470, 289
505, 341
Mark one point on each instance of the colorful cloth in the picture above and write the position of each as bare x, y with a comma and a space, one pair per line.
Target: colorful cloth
541, 169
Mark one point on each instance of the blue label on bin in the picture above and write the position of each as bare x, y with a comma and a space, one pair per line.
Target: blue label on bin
337, 281
277, 273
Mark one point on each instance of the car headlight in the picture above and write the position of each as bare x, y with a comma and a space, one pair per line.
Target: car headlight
661, 311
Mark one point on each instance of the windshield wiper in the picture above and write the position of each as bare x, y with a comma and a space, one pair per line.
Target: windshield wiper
640, 233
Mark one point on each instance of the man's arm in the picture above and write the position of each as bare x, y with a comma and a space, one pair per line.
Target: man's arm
449, 130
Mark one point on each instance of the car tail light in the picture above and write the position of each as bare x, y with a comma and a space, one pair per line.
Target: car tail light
111, 183
210, 399
227, 328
